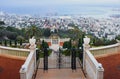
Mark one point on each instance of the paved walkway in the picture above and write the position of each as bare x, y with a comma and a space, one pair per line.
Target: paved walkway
60, 74
54, 73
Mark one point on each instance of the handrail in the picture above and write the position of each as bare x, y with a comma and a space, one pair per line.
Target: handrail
105, 47
101, 51
28, 68
29, 58
92, 59
16, 49
92, 67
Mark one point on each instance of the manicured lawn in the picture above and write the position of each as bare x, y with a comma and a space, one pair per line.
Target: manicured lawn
9, 67
111, 66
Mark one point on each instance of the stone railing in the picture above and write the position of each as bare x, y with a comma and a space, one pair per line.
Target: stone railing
111, 49
92, 69
14, 51
29, 67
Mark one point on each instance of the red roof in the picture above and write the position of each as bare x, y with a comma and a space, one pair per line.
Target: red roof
61, 43
49, 43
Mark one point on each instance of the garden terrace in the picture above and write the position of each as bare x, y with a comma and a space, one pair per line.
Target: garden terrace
111, 64
10, 66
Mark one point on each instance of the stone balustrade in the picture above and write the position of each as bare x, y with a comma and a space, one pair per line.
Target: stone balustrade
111, 49
91, 67
28, 68
14, 51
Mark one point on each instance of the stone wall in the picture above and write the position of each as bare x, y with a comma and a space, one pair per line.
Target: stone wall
93, 69
14, 51
111, 49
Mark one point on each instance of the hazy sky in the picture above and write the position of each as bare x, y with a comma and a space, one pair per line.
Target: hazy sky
46, 6
21, 3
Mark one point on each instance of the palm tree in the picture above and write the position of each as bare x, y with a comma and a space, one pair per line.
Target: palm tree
33, 31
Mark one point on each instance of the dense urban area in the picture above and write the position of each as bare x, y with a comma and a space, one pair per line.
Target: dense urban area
13, 26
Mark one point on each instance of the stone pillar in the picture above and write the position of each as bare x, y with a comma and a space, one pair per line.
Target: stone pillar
100, 72
33, 49
86, 47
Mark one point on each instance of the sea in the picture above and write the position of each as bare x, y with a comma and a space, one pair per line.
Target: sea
93, 11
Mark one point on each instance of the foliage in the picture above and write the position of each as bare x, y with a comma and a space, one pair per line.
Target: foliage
20, 42
9, 32
47, 32
67, 44
12, 33
41, 55
5, 42
75, 33
45, 44
2, 23
98, 42
10, 42
80, 41
102, 42
66, 52
15, 43
118, 37
12, 29
20, 38
32, 31
71, 24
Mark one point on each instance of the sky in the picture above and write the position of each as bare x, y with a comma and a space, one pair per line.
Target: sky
21, 3
23, 6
